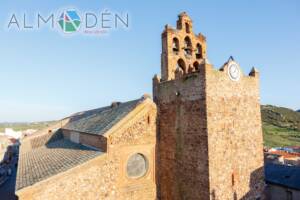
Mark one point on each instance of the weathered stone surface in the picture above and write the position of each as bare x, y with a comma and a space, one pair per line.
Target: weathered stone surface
105, 177
234, 136
93, 140
209, 126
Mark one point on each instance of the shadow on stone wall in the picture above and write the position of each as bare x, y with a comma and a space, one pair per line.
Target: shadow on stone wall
7, 189
256, 186
213, 195
157, 178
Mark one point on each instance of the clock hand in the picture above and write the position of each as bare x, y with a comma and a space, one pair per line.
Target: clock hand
234, 70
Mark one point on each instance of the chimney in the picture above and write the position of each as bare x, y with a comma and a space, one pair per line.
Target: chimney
115, 104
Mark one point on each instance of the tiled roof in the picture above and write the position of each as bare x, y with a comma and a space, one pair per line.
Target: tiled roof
285, 154
100, 120
286, 176
51, 159
52, 154
294, 147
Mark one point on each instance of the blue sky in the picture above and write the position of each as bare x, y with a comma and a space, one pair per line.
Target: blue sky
47, 75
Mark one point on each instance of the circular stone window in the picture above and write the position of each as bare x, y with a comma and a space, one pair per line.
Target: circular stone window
137, 166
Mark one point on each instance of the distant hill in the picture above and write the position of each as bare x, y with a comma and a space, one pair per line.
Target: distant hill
281, 117
281, 126
21, 126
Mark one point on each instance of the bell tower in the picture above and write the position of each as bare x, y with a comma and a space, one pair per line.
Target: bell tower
209, 139
182, 50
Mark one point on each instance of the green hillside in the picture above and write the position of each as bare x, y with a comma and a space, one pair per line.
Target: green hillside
281, 126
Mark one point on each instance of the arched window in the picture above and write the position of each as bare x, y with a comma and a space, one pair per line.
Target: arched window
199, 51
196, 66
181, 65
187, 46
187, 28
175, 45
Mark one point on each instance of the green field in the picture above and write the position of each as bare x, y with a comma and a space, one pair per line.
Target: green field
24, 126
281, 126
275, 136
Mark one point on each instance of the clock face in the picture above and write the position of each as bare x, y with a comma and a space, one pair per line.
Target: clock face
234, 71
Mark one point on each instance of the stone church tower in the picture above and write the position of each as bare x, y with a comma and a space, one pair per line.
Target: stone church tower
210, 142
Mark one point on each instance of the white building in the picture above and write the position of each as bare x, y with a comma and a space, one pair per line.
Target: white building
13, 134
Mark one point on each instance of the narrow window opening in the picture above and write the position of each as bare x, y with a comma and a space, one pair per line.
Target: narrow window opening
232, 179
196, 66
187, 46
187, 28
199, 51
175, 45
181, 65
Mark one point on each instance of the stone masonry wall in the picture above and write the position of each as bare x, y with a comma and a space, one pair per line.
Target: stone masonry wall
97, 141
235, 141
209, 126
182, 161
182, 140
137, 136
105, 176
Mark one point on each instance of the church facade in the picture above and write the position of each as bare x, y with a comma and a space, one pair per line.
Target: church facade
199, 138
